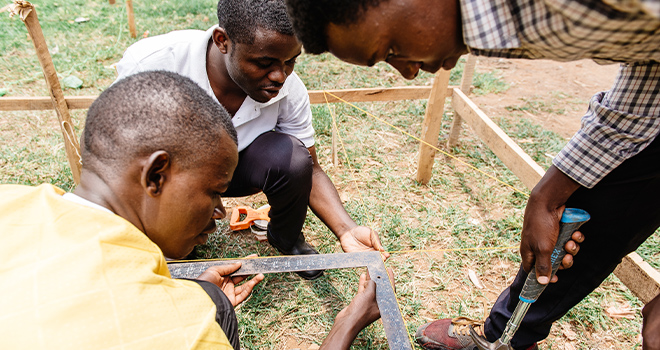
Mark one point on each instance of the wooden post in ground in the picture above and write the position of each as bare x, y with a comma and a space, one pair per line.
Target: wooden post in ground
466, 82
431, 125
131, 18
29, 16
112, 2
335, 157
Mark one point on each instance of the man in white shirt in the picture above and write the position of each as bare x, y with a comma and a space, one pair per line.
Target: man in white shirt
246, 63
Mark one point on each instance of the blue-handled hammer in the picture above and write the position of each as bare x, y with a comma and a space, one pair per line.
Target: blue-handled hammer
571, 220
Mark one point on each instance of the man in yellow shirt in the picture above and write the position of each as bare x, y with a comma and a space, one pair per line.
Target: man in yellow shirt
87, 269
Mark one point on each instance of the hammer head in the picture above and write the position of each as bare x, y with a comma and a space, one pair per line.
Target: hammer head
483, 344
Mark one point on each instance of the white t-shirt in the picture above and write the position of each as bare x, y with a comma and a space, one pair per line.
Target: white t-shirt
70, 196
184, 52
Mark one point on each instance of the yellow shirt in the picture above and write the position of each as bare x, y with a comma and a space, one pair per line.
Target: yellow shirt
75, 277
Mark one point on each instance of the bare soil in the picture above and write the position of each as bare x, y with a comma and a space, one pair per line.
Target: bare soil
569, 85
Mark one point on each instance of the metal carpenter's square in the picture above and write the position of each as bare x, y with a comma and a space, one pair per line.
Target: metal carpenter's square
395, 327
570, 222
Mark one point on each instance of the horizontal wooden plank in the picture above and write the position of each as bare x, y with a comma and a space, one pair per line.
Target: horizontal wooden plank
43, 103
519, 162
316, 96
373, 94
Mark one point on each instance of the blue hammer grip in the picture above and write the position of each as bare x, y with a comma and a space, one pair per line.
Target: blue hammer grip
571, 220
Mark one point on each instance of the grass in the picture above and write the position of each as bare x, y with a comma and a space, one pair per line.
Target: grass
459, 208
557, 103
489, 82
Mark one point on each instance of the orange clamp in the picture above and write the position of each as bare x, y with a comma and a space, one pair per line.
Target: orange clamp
251, 215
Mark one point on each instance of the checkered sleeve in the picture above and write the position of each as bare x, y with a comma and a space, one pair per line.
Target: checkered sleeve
620, 123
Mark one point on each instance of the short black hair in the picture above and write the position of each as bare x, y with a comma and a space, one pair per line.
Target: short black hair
310, 19
242, 18
152, 111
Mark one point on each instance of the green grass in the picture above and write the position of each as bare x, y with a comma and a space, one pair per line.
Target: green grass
558, 103
459, 208
489, 82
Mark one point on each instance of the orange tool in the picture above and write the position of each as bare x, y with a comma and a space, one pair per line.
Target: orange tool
250, 216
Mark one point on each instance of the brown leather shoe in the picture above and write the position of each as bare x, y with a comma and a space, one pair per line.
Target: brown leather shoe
449, 334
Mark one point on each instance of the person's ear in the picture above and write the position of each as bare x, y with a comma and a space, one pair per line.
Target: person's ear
156, 172
221, 40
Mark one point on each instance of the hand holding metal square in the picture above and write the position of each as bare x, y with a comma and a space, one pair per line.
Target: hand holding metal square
395, 327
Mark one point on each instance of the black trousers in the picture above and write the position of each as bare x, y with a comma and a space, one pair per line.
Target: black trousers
225, 315
625, 211
279, 165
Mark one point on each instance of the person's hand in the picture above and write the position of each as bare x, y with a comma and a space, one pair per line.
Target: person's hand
361, 312
651, 325
363, 309
540, 232
362, 239
541, 225
219, 275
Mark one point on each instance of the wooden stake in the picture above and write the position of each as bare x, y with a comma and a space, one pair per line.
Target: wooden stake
131, 18
335, 158
29, 16
431, 125
112, 2
466, 83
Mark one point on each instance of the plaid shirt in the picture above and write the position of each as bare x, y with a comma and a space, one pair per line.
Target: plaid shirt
619, 123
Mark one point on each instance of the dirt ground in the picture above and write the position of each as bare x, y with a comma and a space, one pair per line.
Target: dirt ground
567, 85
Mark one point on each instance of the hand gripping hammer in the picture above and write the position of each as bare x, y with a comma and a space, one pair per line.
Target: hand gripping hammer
570, 221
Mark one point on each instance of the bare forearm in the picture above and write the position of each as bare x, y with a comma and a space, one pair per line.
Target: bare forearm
326, 204
362, 312
341, 335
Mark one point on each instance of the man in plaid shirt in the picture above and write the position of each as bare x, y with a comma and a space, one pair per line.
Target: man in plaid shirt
610, 167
